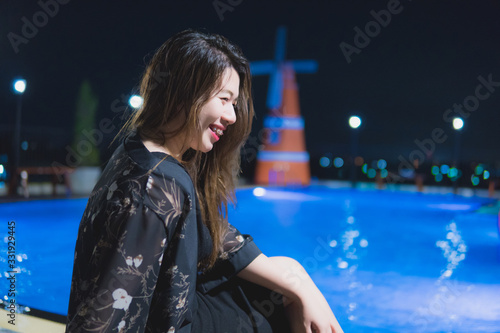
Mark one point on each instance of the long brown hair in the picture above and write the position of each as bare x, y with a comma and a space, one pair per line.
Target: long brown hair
184, 73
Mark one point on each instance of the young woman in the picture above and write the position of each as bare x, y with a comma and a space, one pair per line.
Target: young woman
155, 252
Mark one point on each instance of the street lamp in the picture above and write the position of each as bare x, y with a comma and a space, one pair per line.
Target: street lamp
354, 123
19, 86
135, 101
458, 125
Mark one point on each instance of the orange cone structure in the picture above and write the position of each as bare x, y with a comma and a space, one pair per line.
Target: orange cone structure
284, 159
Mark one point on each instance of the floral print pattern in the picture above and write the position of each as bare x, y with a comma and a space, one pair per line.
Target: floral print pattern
139, 243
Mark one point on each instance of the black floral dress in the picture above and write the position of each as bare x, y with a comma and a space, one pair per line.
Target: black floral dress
136, 257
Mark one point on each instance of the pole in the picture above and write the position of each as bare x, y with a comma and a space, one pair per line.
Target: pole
15, 148
456, 162
354, 152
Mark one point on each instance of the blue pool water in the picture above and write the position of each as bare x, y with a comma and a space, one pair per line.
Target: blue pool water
386, 261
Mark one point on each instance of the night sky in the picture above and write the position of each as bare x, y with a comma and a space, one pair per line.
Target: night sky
425, 60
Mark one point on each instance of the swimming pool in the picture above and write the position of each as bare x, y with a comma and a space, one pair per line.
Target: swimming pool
386, 261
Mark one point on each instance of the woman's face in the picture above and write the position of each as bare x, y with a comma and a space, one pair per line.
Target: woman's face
217, 113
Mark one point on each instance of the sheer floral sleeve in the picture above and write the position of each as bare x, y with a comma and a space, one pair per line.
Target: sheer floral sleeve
239, 251
135, 260
233, 241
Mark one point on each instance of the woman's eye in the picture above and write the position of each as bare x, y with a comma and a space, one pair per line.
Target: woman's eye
225, 99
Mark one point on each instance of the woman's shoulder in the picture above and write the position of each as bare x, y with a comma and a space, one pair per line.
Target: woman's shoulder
170, 170
157, 164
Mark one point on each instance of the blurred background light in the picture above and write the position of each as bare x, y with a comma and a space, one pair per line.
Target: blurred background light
354, 122
338, 162
259, 191
458, 123
20, 86
135, 101
325, 162
371, 173
444, 169
382, 164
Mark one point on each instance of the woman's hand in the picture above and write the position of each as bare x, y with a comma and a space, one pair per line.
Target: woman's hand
306, 307
312, 315
309, 312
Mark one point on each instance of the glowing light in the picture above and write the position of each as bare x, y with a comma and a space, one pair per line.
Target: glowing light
486, 174
24, 145
364, 168
343, 264
354, 122
325, 162
384, 173
20, 86
447, 273
359, 161
474, 180
434, 170
363, 243
444, 169
479, 170
451, 207
2, 169
372, 173
333, 243
338, 162
438, 177
453, 172
135, 101
259, 191
381, 164
458, 123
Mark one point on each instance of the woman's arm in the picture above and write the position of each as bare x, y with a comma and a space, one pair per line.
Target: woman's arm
307, 309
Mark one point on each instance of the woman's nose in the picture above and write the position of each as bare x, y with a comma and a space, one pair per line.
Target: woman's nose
229, 115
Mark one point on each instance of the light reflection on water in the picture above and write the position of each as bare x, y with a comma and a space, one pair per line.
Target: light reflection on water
399, 262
